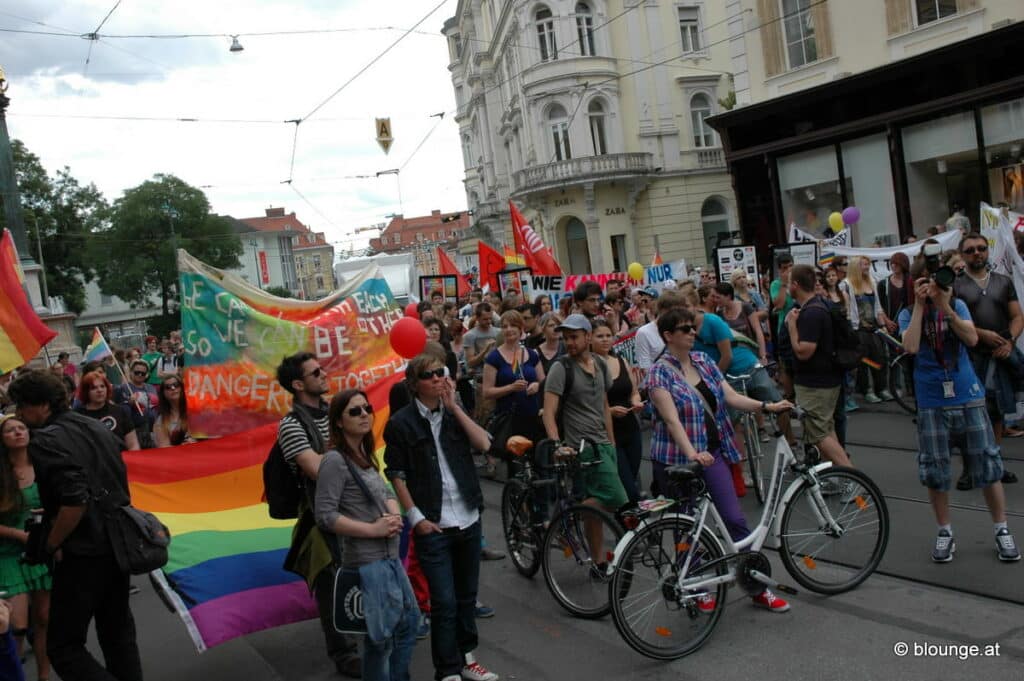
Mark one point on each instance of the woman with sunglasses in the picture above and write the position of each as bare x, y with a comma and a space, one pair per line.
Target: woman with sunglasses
437, 331
95, 395
26, 586
171, 426
368, 529
691, 397
429, 461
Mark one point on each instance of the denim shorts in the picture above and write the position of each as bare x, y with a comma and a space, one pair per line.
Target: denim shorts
968, 429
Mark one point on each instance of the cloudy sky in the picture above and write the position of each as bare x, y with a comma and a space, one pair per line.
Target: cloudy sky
64, 108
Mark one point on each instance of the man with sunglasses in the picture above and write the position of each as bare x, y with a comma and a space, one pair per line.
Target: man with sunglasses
142, 400
302, 436
992, 301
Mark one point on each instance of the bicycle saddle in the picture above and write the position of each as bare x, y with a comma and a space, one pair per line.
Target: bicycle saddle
684, 472
518, 445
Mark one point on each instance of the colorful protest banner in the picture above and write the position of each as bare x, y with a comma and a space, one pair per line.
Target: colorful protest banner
559, 286
235, 335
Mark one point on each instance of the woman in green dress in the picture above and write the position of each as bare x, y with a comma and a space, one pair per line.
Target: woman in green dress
26, 585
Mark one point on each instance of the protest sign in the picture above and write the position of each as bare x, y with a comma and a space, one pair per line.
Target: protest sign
559, 286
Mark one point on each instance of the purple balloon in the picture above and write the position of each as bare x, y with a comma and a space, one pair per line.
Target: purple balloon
851, 215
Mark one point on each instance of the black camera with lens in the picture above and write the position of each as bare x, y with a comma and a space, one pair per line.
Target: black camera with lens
942, 275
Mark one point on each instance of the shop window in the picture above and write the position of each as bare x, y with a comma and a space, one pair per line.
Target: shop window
596, 113
869, 186
943, 172
700, 110
689, 29
1003, 126
619, 262
585, 29
928, 11
576, 246
809, 185
558, 122
798, 28
714, 218
546, 34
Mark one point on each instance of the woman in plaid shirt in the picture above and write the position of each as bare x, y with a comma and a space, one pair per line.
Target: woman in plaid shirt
685, 387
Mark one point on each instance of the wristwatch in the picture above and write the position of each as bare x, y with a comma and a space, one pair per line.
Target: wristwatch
764, 406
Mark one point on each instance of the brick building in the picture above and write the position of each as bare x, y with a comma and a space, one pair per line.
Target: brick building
422, 236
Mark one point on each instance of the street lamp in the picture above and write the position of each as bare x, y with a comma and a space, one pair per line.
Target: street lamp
9, 183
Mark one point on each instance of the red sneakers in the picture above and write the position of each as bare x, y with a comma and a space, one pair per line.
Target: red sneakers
770, 602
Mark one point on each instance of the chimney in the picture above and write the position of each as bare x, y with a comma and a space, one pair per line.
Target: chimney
435, 213
275, 212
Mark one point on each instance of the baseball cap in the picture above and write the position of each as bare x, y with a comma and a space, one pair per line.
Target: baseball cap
575, 322
649, 291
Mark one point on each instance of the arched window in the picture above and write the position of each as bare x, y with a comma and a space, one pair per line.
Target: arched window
546, 34
576, 246
467, 151
700, 109
585, 29
558, 122
714, 218
596, 114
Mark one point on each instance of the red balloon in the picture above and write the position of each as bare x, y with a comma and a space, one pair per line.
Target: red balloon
408, 337
410, 311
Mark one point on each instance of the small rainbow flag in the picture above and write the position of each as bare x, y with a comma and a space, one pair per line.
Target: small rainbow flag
98, 348
871, 363
826, 259
22, 332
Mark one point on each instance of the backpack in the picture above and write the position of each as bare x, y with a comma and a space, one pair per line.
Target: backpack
283, 487
847, 349
567, 365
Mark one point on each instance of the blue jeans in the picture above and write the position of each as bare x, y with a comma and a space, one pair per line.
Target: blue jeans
385, 585
450, 561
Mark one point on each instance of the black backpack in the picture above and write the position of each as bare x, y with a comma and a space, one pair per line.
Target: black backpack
847, 349
283, 486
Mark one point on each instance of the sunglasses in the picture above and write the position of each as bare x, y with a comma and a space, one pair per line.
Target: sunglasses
686, 328
356, 411
171, 386
140, 373
433, 373
317, 373
975, 249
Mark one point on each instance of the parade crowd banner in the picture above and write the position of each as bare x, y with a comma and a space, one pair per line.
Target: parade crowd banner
235, 336
559, 286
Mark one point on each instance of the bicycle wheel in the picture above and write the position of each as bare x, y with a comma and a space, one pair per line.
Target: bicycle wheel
576, 578
829, 561
901, 378
755, 461
520, 536
650, 612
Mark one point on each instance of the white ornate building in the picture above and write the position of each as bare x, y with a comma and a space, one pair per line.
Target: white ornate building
590, 115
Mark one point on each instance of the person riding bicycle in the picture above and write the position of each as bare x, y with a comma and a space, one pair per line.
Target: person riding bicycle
687, 387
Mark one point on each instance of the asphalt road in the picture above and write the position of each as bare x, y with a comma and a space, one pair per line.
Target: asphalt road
973, 601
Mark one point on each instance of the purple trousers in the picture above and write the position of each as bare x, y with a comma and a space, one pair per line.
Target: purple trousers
718, 479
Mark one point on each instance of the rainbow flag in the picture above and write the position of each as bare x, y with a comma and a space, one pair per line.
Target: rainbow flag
871, 363
98, 348
22, 333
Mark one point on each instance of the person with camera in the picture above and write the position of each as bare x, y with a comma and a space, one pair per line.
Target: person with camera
992, 301
951, 406
75, 457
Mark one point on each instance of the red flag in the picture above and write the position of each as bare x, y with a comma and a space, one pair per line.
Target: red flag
22, 332
491, 262
449, 268
538, 257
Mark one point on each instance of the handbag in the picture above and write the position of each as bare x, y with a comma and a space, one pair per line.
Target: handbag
348, 615
139, 540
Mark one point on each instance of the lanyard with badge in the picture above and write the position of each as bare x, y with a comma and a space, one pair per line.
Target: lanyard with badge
934, 331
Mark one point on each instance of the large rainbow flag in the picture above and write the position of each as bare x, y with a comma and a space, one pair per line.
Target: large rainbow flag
22, 332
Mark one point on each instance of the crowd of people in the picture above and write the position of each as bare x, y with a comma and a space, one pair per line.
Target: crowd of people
409, 523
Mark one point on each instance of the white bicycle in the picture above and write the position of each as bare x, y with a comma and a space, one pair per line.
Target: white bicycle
671, 571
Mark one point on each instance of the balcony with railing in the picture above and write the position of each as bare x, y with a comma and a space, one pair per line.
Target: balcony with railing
579, 170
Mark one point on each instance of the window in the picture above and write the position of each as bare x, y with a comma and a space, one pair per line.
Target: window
383, 241
319, 282
546, 35
714, 218
933, 10
700, 110
597, 135
576, 246
798, 27
809, 183
559, 122
456, 47
585, 29
302, 264
1003, 124
316, 262
398, 237
619, 262
689, 28
106, 300
943, 170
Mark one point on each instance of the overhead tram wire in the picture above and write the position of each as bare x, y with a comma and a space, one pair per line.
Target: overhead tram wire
93, 37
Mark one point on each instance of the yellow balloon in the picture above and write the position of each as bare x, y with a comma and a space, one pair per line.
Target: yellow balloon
835, 221
636, 271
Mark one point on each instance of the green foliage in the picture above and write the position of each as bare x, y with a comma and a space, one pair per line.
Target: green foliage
135, 259
729, 101
60, 214
279, 291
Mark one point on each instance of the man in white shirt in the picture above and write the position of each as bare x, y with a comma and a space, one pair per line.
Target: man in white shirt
648, 341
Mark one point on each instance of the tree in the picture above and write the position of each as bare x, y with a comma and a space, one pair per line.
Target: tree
279, 291
135, 256
60, 215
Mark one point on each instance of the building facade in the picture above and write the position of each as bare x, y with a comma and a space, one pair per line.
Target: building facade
591, 116
268, 259
907, 109
314, 264
422, 236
